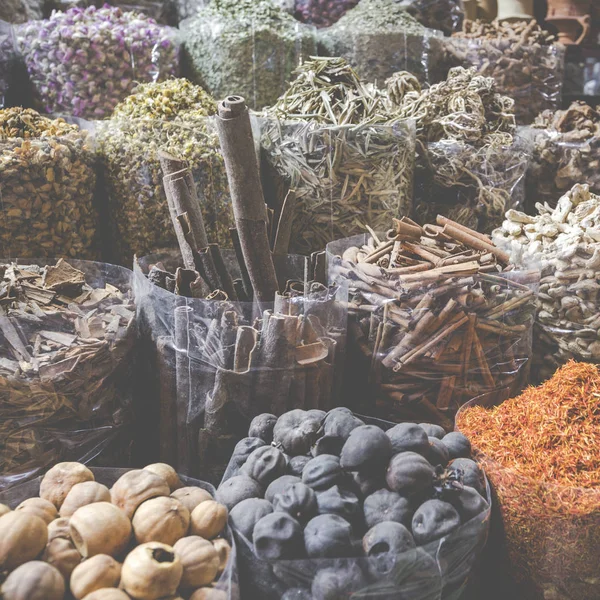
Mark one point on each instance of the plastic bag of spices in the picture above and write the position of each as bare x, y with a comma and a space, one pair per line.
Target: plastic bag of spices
524, 60
67, 333
444, 15
83, 62
435, 320
316, 527
47, 183
226, 585
245, 47
535, 449
216, 363
379, 38
172, 116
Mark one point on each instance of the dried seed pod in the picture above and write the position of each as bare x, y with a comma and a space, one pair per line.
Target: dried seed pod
59, 480
191, 496
224, 551
200, 561
167, 472
135, 487
59, 528
107, 594
208, 593
82, 494
100, 571
4, 509
163, 519
151, 571
209, 519
23, 536
35, 580
44, 509
62, 554
100, 528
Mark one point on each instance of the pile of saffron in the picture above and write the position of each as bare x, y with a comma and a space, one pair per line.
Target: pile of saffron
541, 451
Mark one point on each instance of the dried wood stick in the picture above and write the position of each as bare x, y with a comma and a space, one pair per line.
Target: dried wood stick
283, 232
235, 134
235, 240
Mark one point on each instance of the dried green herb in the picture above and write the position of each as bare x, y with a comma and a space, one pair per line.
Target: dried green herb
173, 116
471, 168
245, 47
379, 37
337, 142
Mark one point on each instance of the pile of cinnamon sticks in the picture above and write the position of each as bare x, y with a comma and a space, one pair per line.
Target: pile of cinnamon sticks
439, 317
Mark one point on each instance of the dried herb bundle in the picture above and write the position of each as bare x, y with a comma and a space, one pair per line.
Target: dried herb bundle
172, 116
382, 29
66, 340
47, 180
563, 242
439, 319
470, 168
245, 47
566, 151
337, 143
523, 59
539, 451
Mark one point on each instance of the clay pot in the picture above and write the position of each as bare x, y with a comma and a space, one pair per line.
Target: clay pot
516, 10
572, 19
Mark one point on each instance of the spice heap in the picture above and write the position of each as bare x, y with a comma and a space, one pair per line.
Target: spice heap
539, 450
444, 15
47, 179
67, 336
84, 61
522, 58
564, 243
566, 150
245, 47
471, 168
171, 116
383, 29
438, 318
331, 139
322, 14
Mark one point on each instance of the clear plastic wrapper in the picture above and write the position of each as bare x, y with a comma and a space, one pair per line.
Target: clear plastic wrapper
47, 185
83, 62
531, 74
379, 39
65, 367
8, 58
132, 179
343, 177
548, 534
444, 15
227, 582
472, 185
217, 363
403, 371
437, 570
245, 47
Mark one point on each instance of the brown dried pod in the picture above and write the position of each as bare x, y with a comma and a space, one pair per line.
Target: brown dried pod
208, 593
100, 571
35, 580
107, 594
100, 528
163, 519
191, 496
23, 536
224, 551
62, 554
200, 561
44, 509
59, 480
209, 519
151, 571
135, 487
59, 528
82, 494
167, 472
4, 509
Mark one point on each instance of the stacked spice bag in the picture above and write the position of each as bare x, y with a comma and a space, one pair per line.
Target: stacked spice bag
172, 116
524, 60
84, 61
